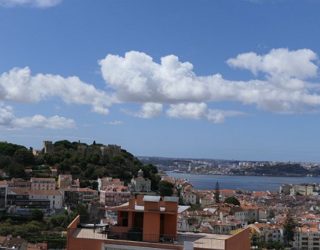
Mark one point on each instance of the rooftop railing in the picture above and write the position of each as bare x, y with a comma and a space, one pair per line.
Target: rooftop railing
210, 241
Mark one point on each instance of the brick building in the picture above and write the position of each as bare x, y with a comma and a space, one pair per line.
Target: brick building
149, 223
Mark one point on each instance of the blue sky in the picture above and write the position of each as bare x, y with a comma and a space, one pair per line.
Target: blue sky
231, 79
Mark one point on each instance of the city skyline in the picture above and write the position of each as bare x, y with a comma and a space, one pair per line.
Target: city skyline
215, 79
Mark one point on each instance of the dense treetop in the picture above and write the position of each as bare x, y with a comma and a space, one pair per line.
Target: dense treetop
83, 161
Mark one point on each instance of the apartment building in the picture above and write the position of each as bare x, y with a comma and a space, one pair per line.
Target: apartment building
18, 183
149, 223
55, 197
74, 196
304, 190
106, 182
268, 232
206, 199
114, 195
298, 189
190, 197
65, 181
43, 183
25, 200
3, 194
307, 237
248, 213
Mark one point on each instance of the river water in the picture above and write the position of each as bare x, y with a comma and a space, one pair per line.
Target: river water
250, 183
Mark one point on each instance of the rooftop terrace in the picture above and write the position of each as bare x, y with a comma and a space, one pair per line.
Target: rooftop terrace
199, 240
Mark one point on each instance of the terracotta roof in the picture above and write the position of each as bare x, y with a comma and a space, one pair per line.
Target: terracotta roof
249, 206
3, 183
227, 192
310, 227
116, 188
37, 246
260, 193
20, 191
42, 179
26, 191
2, 239
81, 190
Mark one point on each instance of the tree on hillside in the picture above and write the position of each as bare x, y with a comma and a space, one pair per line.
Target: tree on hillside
24, 156
288, 229
217, 193
165, 188
86, 162
82, 210
9, 148
232, 200
16, 170
37, 215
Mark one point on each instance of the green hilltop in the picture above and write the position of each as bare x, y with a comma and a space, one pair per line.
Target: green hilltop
83, 161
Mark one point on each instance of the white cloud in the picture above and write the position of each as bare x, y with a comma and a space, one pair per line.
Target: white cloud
200, 111
40, 121
218, 116
281, 83
283, 87
32, 3
148, 110
283, 63
115, 123
188, 110
9, 120
6, 115
20, 86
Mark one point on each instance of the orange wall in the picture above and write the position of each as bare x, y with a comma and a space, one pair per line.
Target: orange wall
118, 229
151, 206
74, 223
239, 241
71, 228
92, 244
84, 244
171, 206
151, 227
170, 224
130, 219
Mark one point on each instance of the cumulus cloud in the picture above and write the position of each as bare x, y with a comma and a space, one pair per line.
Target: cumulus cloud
6, 115
281, 86
9, 120
188, 110
298, 64
282, 82
33, 3
200, 111
148, 110
40, 121
20, 85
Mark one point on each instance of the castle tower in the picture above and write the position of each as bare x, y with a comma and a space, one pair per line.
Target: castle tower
48, 147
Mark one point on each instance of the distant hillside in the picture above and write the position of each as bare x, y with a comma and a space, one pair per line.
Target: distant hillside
83, 161
280, 169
